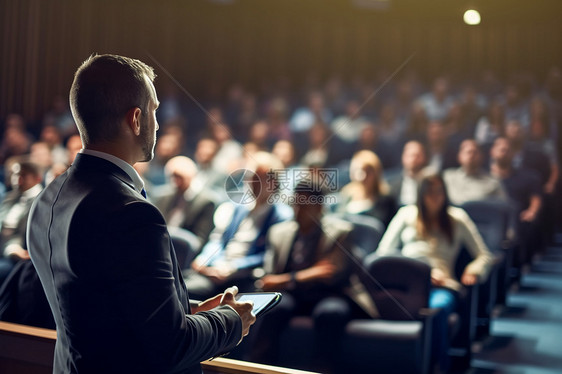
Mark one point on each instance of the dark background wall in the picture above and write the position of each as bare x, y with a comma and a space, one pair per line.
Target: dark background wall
206, 45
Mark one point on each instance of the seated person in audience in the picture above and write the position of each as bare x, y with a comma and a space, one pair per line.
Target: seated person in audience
433, 231
470, 182
530, 158
229, 150
304, 118
73, 146
440, 152
403, 187
14, 210
349, 125
306, 260
237, 244
524, 191
438, 102
370, 140
366, 193
323, 147
207, 177
182, 206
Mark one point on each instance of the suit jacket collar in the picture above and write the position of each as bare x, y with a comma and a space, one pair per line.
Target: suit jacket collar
330, 233
84, 162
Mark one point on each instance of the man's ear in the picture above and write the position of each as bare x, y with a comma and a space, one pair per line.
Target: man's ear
133, 120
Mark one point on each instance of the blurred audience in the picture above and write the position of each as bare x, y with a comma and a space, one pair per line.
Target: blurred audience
237, 244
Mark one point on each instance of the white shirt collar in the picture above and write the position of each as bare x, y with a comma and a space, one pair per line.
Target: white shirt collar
32, 192
131, 172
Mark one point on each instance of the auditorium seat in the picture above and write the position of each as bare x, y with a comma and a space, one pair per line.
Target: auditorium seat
366, 234
186, 245
493, 218
397, 342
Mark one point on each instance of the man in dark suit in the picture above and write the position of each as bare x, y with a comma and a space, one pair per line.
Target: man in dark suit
103, 253
14, 211
403, 186
185, 205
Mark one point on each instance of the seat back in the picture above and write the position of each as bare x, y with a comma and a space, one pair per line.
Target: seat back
366, 234
398, 285
186, 245
492, 218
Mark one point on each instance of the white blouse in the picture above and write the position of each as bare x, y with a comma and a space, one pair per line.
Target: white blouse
436, 250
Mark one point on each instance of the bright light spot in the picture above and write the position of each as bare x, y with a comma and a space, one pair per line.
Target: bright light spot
471, 17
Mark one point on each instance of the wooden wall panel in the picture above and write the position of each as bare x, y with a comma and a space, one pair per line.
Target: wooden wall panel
204, 44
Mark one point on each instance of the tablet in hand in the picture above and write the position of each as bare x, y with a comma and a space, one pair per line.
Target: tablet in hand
263, 301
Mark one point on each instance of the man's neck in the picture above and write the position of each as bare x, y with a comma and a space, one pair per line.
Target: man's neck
114, 149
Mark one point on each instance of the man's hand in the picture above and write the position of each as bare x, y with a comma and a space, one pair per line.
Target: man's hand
243, 308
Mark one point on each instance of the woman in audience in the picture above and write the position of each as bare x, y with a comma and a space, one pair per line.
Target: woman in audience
433, 231
366, 193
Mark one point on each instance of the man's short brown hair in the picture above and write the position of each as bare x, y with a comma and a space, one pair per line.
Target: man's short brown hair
105, 88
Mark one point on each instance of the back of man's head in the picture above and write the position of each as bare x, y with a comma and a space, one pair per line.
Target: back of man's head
105, 88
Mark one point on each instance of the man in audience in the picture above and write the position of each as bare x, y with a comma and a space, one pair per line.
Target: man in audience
470, 182
73, 146
524, 191
237, 244
438, 102
14, 211
440, 152
103, 253
306, 260
207, 177
182, 206
404, 187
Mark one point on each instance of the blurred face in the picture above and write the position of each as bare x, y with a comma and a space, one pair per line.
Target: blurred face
469, 156
284, 152
73, 146
413, 157
501, 152
205, 152
363, 173
167, 147
435, 133
434, 197
22, 179
306, 213
181, 180
514, 131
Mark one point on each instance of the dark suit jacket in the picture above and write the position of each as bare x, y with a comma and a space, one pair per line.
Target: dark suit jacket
109, 271
197, 212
